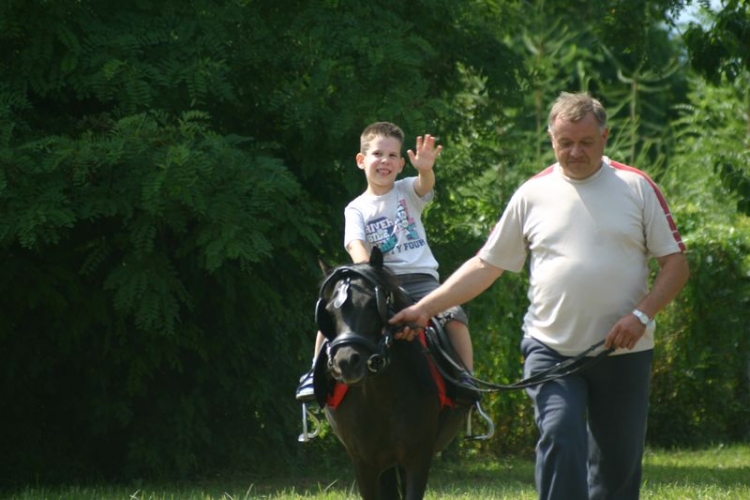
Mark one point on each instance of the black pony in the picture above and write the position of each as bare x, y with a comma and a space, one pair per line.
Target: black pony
391, 420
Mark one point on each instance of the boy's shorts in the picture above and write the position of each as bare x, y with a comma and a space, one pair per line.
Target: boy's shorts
419, 285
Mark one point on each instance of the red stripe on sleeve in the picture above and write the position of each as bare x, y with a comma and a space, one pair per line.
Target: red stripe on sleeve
659, 195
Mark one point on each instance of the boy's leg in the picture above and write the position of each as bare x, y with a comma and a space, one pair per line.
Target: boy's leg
319, 339
458, 334
456, 325
617, 424
560, 411
454, 320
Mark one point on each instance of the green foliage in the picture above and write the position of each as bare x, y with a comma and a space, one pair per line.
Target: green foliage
474, 177
700, 386
331, 75
723, 49
712, 161
170, 171
149, 299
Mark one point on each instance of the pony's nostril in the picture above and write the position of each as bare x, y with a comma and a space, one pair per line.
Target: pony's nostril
351, 362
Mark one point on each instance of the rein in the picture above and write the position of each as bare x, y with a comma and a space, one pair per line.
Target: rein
559, 370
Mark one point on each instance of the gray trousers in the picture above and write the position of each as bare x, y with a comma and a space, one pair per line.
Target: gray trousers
592, 425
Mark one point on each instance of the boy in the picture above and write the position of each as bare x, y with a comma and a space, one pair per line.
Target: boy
388, 215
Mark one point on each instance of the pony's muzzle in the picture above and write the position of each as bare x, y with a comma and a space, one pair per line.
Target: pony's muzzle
347, 365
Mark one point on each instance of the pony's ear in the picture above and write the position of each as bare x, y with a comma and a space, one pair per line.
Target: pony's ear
376, 258
325, 267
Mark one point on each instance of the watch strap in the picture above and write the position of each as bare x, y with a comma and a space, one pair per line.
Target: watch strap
642, 317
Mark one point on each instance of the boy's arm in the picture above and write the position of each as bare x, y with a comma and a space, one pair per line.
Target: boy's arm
424, 160
358, 251
424, 183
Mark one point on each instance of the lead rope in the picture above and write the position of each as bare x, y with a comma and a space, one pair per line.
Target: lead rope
561, 369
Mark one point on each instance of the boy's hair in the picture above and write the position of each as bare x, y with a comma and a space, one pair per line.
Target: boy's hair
379, 129
574, 107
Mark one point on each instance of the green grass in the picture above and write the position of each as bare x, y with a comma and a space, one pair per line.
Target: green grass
717, 473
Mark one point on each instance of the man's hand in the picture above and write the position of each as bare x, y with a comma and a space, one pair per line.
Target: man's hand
625, 334
426, 153
413, 319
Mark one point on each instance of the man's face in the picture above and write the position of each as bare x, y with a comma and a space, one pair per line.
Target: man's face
579, 145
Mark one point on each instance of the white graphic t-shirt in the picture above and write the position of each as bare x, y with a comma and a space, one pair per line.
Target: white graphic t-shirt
393, 223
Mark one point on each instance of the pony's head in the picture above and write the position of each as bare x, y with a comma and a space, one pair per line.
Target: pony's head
354, 305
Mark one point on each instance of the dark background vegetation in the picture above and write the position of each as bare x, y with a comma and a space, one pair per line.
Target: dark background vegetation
171, 171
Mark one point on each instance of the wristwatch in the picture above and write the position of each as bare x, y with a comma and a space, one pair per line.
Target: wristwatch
642, 317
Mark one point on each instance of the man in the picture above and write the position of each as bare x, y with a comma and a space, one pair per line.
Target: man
590, 226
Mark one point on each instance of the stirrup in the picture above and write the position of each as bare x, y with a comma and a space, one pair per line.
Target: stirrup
306, 435
487, 420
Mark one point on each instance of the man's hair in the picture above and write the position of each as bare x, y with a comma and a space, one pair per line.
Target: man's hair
379, 129
574, 107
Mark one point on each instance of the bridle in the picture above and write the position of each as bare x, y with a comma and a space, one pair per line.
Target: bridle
380, 357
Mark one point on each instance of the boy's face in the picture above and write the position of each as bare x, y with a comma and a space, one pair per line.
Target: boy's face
381, 163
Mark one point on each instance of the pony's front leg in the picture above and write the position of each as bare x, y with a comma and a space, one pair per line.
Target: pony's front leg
416, 478
392, 484
368, 481
416, 486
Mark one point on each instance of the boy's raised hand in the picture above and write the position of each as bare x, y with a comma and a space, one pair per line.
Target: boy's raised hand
426, 153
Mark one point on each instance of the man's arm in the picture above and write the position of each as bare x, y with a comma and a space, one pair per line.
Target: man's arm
672, 276
469, 280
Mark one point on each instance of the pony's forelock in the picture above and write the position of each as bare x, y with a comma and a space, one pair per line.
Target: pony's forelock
385, 278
